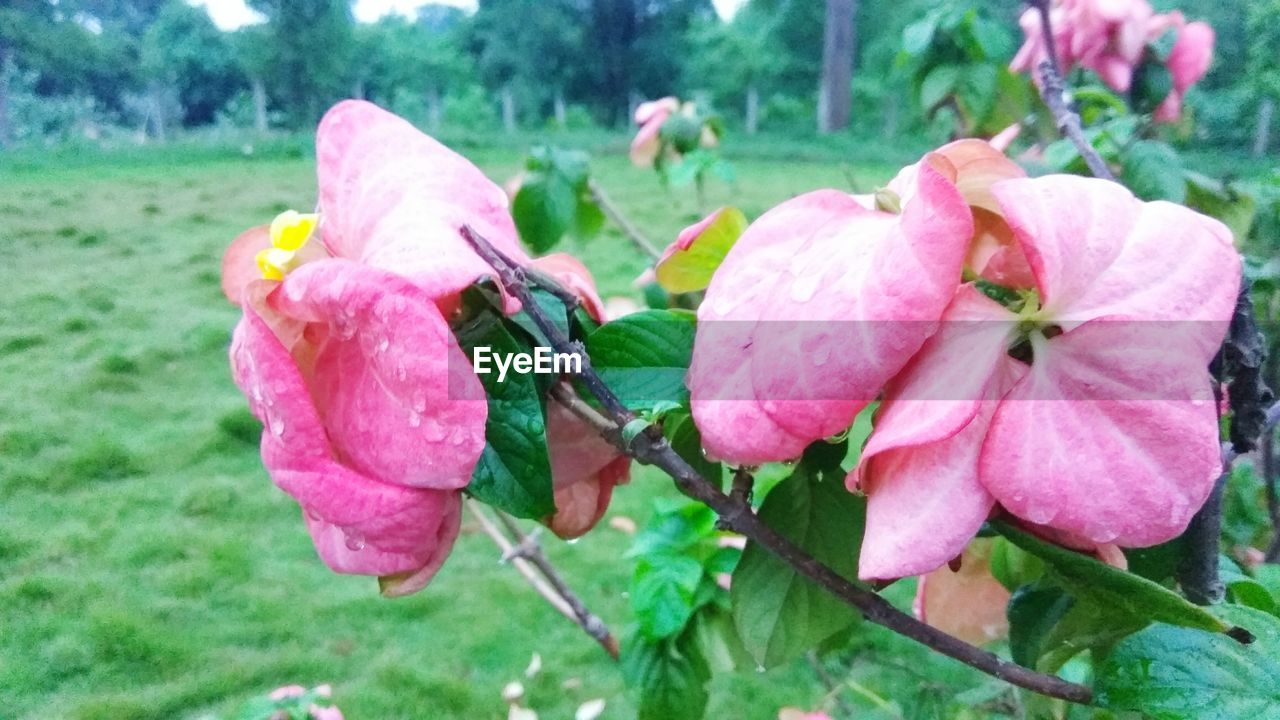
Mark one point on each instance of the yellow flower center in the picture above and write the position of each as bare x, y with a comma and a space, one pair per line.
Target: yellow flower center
289, 232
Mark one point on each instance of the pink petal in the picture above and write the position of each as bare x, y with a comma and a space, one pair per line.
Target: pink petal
646, 111
1112, 435
396, 394
1170, 109
394, 198
1191, 55
1097, 251
817, 305
397, 529
239, 262
585, 469
648, 142
920, 465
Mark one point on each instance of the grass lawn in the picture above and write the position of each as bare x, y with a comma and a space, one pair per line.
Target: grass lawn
148, 568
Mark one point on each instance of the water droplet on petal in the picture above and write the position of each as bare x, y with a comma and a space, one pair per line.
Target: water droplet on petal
419, 400
383, 344
354, 539
820, 355
415, 419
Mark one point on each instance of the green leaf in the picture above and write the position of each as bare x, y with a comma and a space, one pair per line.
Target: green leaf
544, 209
1172, 673
662, 593
674, 529
1091, 580
1033, 611
780, 614
1013, 566
717, 641
1153, 171
1224, 201
514, 471
644, 356
588, 220
918, 36
664, 679
551, 308
938, 85
690, 270
1085, 626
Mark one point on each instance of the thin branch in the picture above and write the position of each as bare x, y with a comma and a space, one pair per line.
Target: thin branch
651, 448
1054, 93
618, 218
529, 549
557, 594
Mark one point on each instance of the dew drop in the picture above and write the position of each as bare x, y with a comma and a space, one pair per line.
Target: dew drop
383, 344
419, 400
434, 431
353, 538
534, 426
275, 423
415, 420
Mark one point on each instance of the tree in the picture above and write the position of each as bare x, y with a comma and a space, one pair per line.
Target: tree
311, 45
528, 49
835, 97
183, 54
424, 58
253, 53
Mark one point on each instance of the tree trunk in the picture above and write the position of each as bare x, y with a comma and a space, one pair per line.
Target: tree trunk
159, 126
633, 101
753, 110
435, 111
1262, 133
259, 104
6, 61
561, 113
835, 99
508, 109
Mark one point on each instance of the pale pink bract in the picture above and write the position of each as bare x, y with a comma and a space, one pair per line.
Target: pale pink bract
815, 307
1110, 435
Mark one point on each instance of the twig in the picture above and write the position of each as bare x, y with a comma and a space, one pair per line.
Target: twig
1198, 572
554, 591
651, 448
617, 218
530, 550
1054, 93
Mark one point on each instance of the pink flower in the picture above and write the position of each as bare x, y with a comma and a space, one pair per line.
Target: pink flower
815, 307
1106, 36
1108, 434
316, 712
374, 419
1188, 62
650, 116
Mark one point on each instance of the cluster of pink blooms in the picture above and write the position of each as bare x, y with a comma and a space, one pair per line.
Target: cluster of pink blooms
1082, 406
373, 419
1110, 37
1057, 404
651, 116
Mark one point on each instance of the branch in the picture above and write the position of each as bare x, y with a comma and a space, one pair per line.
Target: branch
527, 558
1054, 93
615, 215
530, 550
651, 448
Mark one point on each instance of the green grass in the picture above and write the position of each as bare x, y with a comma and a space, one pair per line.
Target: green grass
148, 569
